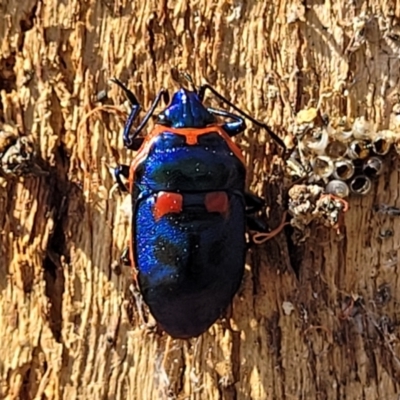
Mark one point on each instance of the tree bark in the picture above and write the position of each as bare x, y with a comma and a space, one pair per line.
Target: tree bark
317, 320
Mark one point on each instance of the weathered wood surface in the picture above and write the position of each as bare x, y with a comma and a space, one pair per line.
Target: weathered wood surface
68, 325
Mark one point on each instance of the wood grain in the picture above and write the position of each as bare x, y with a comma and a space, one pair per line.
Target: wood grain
322, 324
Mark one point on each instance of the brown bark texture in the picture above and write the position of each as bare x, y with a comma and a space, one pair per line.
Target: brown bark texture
317, 320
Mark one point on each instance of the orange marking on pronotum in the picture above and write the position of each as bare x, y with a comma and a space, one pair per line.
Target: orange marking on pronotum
166, 203
191, 136
217, 202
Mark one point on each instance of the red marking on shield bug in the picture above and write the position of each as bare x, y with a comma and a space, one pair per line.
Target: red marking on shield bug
217, 202
166, 203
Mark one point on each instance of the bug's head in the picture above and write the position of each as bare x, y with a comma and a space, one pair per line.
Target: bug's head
186, 109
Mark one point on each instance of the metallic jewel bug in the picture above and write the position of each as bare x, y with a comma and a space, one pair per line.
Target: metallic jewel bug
190, 207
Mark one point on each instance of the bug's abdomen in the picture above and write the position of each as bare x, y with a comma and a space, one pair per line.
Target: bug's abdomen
190, 254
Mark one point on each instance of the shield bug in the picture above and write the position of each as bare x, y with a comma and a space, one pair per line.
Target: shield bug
190, 207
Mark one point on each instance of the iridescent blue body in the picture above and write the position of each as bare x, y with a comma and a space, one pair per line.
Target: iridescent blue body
190, 209
190, 264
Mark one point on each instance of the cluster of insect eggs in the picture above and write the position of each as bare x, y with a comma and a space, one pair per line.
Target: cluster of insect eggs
343, 158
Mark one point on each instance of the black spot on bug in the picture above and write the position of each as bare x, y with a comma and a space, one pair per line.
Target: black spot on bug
212, 139
217, 252
166, 252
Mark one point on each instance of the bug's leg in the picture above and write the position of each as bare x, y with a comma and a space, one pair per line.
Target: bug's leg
253, 205
256, 224
274, 136
253, 202
162, 94
136, 143
129, 137
121, 170
232, 128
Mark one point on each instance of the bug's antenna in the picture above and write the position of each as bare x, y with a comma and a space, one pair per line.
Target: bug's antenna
189, 78
181, 77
